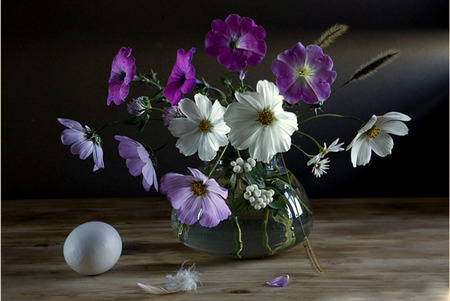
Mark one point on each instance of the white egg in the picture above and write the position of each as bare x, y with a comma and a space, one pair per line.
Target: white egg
92, 248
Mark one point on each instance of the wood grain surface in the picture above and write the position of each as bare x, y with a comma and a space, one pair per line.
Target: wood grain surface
371, 249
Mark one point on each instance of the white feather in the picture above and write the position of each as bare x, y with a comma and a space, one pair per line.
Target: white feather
185, 280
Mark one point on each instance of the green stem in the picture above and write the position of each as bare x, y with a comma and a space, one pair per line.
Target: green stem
329, 115
312, 138
264, 231
218, 160
304, 112
106, 125
164, 145
306, 207
300, 149
237, 237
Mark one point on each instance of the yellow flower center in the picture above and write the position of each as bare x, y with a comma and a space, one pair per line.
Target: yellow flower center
324, 153
198, 189
373, 132
204, 126
265, 117
303, 72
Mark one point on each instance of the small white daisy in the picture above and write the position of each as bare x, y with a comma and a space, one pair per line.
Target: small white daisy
333, 148
320, 167
259, 123
203, 129
374, 135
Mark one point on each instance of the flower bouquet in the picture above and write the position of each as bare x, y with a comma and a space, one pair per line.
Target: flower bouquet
243, 202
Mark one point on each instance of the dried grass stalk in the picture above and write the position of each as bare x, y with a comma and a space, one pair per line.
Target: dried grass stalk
330, 35
312, 256
373, 65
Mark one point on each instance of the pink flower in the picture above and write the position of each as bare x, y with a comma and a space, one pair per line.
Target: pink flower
82, 141
236, 42
123, 70
138, 161
182, 79
304, 73
196, 197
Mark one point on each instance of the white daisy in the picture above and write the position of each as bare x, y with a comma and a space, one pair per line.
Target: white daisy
333, 148
259, 123
374, 135
320, 167
203, 129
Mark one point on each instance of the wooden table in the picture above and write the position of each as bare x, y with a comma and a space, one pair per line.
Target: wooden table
371, 249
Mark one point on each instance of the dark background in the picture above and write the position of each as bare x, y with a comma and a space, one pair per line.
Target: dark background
56, 59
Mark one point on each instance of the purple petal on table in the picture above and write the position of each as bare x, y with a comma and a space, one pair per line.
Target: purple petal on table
281, 281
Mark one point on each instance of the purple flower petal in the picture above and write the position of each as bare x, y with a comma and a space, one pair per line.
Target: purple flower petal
138, 161
123, 70
182, 79
208, 207
281, 281
83, 141
304, 73
236, 42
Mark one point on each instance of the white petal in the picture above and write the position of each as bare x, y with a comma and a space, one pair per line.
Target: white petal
270, 94
364, 153
217, 112
180, 127
204, 106
190, 110
188, 144
382, 145
368, 125
252, 100
394, 127
396, 116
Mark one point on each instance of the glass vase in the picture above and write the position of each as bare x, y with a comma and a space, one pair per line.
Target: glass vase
248, 232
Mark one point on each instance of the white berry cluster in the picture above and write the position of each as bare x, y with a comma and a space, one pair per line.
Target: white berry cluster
241, 166
258, 198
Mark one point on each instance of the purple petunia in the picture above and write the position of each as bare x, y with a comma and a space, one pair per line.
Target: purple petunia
123, 71
182, 79
304, 73
236, 42
138, 161
83, 141
196, 197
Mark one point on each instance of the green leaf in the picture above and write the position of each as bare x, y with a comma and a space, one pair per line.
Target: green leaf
231, 185
134, 120
142, 124
254, 176
278, 203
239, 206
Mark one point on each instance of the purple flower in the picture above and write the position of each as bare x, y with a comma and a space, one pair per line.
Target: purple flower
123, 70
279, 281
196, 197
304, 74
172, 113
138, 161
236, 42
83, 141
182, 79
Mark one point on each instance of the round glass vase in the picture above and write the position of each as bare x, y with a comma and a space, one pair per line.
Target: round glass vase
248, 232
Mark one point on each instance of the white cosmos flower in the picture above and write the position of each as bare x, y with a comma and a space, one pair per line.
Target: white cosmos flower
203, 129
374, 135
259, 123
